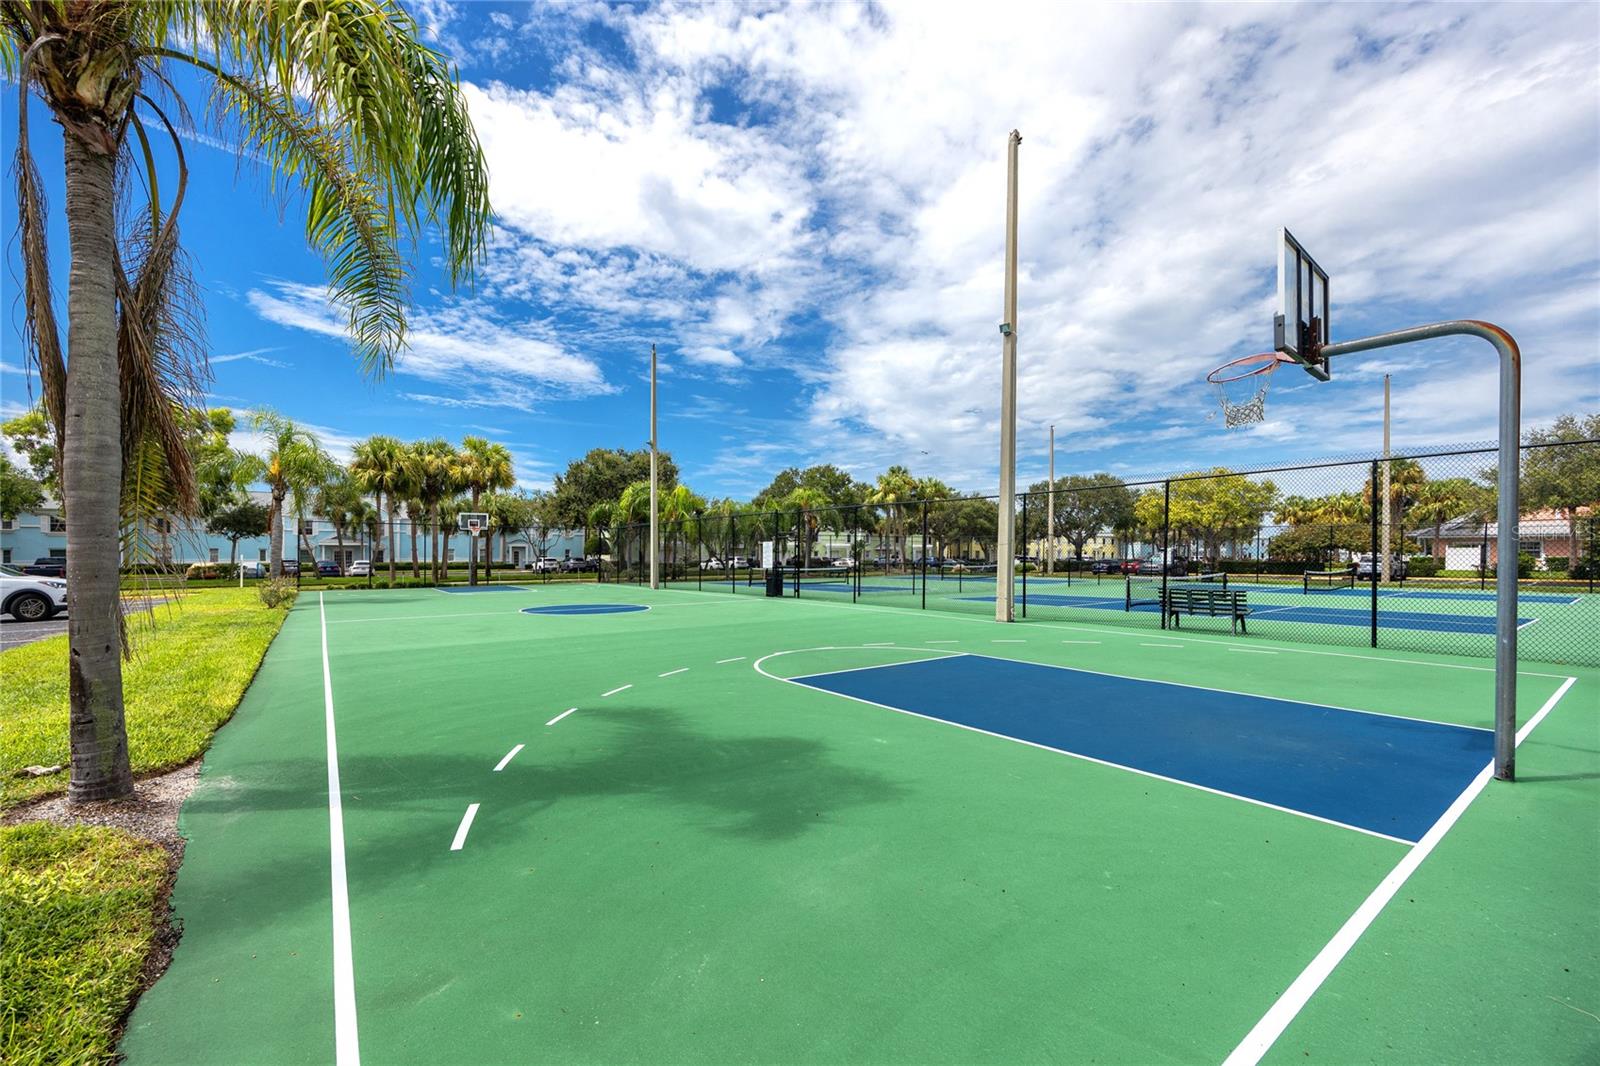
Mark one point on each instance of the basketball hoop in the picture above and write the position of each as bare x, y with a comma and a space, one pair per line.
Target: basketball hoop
473, 527
472, 523
1237, 413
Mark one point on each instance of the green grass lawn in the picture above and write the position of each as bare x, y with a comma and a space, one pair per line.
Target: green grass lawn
188, 670
78, 906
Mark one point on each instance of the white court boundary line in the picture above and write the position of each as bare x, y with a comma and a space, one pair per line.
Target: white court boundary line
346, 1039
512, 754
1266, 1032
801, 682
466, 824
1129, 632
560, 716
613, 692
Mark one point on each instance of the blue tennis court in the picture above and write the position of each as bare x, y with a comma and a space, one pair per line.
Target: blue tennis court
1321, 615
1382, 774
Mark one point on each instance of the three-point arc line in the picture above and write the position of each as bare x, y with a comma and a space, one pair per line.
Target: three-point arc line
679, 670
512, 754
466, 824
613, 692
558, 717
736, 659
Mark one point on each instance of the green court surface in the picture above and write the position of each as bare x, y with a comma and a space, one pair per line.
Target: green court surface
705, 863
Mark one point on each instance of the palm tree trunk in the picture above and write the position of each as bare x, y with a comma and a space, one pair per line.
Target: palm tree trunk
390, 523
434, 529
275, 534
91, 480
411, 522
472, 548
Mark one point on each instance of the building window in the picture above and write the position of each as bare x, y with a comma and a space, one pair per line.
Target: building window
163, 526
58, 553
450, 555
58, 524
307, 527
7, 524
215, 555
5, 555
261, 554
1534, 548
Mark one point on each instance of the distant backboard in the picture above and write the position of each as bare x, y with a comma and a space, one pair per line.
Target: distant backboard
473, 522
1300, 328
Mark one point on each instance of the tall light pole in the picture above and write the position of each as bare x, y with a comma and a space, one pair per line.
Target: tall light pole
1388, 508
655, 532
1050, 511
1004, 599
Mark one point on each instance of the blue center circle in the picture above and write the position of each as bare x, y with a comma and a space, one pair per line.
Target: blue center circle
586, 608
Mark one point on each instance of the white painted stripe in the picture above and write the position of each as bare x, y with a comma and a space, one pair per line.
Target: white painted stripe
1008, 642
512, 754
1144, 644
346, 1039
613, 692
1080, 642
880, 644
679, 670
801, 681
1078, 627
560, 716
941, 642
466, 824
735, 659
1272, 1024
1253, 651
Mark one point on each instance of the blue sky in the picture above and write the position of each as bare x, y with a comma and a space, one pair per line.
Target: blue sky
803, 207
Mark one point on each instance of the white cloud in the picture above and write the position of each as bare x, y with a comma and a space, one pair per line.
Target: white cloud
254, 355
463, 345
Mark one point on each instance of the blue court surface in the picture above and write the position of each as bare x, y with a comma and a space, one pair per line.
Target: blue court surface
1383, 774
458, 589
1364, 592
1388, 618
586, 608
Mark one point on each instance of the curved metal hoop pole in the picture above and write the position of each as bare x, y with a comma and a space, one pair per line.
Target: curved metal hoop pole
1506, 517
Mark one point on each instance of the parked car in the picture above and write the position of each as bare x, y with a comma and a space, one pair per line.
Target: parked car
30, 597
843, 564
1397, 568
360, 568
291, 567
545, 565
1108, 566
738, 562
253, 568
328, 568
1153, 565
580, 566
48, 566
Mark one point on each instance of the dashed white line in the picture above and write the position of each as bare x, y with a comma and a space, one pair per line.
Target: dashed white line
466, 824
1253, 651
1080, 642
881, 644
613, 692
560, 716
512, 754
1143, 644
1008, 642
679, 670
941, 642
735, 659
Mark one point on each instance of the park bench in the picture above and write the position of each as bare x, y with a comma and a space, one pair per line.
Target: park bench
1189, 599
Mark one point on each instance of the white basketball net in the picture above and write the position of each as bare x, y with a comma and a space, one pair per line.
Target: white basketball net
1247, 412
1252, 383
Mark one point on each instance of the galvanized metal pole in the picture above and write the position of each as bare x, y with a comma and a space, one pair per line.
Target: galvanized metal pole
1388, 508
1050, 509
1004, 595
1505, 656
655, 531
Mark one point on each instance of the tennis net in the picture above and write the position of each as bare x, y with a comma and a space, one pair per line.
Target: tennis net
1329, 579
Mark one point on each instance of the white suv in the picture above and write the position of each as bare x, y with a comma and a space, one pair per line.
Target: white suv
31, 599
546, 565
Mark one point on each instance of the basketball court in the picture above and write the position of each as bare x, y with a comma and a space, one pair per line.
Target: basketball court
693, 827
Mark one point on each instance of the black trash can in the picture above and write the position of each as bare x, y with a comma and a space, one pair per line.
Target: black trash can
774, 581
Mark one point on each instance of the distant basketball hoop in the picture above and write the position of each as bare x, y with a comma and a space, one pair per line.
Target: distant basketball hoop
472, 523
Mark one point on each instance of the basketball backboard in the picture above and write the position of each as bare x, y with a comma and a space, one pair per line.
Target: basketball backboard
1300, 327
473, 522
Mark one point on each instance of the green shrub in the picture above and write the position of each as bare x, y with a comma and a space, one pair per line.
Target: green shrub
1557, 562
1422, 566
1524, 564
277, 591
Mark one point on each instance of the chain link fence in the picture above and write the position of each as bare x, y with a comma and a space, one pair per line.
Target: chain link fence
1396, 553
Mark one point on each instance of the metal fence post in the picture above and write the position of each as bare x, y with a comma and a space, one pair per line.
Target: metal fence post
1024, 555
1166, 542
924, 555
1378, 566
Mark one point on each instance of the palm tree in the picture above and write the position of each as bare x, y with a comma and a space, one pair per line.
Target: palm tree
367, 521
379, 465
600, 519
434, 467
293, 460
447, 510
894, 490
339, 99
633, 509
679, 507
810, 503
416, 516
338, 499
482, 467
